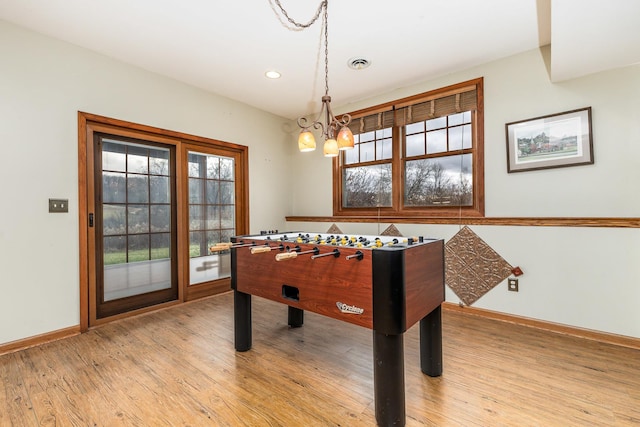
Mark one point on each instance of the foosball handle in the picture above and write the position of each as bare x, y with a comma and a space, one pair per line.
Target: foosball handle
260, 249
286, 255
221, 247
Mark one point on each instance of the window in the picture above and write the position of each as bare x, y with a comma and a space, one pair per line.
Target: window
367, 172
418, 156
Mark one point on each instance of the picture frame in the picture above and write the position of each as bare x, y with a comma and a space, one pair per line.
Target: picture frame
551, 141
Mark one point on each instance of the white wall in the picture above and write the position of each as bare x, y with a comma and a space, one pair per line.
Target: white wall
583, 277
43, 84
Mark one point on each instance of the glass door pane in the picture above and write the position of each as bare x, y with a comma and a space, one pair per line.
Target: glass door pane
134, 226
211, 215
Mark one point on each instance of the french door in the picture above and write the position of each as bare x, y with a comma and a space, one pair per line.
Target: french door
212, 206
135, 224
151, 204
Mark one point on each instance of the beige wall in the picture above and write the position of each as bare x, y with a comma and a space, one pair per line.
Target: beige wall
43, 84
582, 277
576, 276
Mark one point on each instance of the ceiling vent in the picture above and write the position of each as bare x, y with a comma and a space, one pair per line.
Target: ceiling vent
358, 63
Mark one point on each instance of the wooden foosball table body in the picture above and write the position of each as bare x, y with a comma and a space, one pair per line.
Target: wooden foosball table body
385, 284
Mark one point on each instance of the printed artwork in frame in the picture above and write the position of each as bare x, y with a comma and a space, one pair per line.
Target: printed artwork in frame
553, 141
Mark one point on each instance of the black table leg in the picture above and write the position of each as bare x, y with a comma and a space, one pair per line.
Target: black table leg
296, 317
431, 343
388, 379
242, 320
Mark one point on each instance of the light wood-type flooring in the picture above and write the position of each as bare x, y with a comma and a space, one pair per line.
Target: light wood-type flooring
178, 367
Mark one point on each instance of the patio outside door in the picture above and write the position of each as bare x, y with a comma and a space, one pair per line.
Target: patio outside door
134, 224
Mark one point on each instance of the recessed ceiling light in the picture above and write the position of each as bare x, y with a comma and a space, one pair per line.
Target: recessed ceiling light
358, 63
272, 74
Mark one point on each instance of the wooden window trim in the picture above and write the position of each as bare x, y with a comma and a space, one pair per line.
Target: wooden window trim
585, 222
397, 210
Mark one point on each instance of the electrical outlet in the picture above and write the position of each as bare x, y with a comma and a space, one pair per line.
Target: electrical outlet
512, 284
58, 205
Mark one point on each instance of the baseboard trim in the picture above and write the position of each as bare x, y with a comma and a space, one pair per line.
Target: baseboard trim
589, 334
36, 340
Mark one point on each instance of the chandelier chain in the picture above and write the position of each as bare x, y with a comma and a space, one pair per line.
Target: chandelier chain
322, 5
326, 49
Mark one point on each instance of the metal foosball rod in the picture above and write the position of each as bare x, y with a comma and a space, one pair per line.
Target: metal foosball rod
287, 238
358, 255
294, 254
335, 253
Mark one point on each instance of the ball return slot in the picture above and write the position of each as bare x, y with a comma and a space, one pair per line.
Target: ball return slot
290, 292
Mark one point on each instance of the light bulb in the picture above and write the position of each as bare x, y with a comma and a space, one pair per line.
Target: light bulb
306, 141
345, 139
330, 148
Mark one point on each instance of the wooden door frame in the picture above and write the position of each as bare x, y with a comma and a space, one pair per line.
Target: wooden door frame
200, 290
88, 124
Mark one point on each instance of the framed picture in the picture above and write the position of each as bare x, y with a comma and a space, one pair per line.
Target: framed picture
553, 141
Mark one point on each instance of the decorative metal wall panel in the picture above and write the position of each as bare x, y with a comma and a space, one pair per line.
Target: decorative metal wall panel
472, 267
334, 229
391, 230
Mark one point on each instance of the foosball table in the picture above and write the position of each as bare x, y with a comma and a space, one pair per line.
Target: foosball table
386, 284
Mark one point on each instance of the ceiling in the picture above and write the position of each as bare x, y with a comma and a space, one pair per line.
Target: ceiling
226, 47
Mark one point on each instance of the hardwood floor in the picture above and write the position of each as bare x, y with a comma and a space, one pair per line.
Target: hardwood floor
178, 367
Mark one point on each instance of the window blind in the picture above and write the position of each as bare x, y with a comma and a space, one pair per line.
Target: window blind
381, 120
421, 110
437, 107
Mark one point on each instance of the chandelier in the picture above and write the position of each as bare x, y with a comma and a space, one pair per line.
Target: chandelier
336, 133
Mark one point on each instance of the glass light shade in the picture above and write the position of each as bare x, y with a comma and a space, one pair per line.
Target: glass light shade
330, 148
345, 139
306, 141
